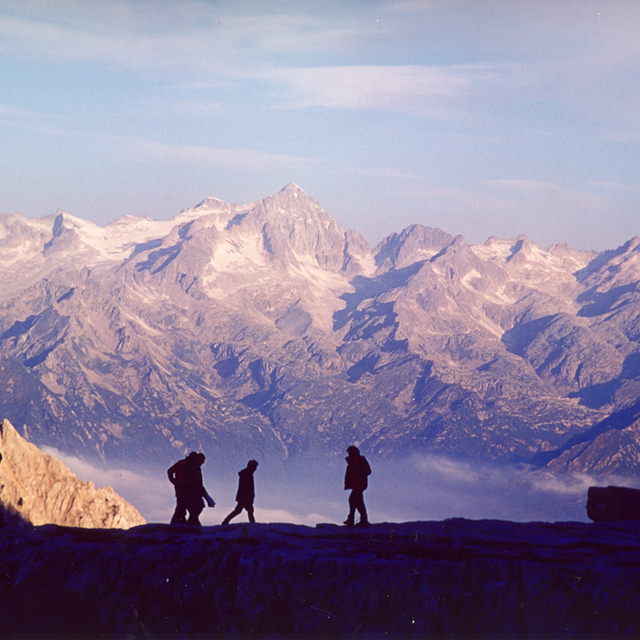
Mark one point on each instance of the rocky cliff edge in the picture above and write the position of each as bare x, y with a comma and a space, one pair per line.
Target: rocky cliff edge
36, 488
452, 579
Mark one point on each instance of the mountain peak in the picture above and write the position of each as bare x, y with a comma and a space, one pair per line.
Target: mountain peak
294, 199
292, 188
213, 204
413, 244
294, 204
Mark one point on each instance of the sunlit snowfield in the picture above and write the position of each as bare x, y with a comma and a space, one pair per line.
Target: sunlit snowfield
413, 488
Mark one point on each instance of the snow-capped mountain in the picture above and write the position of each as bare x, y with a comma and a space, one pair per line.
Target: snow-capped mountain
268, 329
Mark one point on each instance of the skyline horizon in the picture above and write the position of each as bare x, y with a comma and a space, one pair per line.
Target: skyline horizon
515, 119
372, 245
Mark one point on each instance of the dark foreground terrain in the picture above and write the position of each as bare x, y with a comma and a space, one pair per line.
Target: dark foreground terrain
451, 579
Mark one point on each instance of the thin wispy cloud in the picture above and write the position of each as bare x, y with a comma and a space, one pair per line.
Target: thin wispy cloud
221, 37
27, 118
417, 89
213, 157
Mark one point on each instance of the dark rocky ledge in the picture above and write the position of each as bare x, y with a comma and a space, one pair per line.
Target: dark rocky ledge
451, 579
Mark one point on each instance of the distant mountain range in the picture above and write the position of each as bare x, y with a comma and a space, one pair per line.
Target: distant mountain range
267, 329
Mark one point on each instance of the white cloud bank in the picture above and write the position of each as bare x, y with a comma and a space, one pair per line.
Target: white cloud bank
418, 487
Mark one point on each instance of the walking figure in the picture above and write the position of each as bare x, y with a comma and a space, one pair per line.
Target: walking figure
355, 478
186, 476
246, 493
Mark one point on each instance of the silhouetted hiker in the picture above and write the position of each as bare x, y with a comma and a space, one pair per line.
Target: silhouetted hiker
355, 479
186, 476
246, 493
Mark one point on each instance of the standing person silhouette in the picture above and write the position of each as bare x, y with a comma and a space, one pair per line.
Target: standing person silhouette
246, 492
355, 478
186, 476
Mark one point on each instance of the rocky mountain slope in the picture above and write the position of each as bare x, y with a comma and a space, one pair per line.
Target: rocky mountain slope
37, 489
267, 330
451, 579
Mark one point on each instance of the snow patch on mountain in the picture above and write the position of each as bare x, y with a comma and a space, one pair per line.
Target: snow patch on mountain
244, 254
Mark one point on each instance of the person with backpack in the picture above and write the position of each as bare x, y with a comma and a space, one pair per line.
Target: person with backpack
356, 479
246, 493
186, 476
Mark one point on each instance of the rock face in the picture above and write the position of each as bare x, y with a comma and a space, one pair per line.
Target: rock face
451, 579
37, 489
267, 331
605, 504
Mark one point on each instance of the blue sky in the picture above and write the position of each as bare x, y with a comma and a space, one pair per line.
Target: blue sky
478, 117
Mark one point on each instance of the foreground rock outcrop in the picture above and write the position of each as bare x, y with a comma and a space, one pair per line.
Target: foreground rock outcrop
605, 504
451, 579
37, 488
